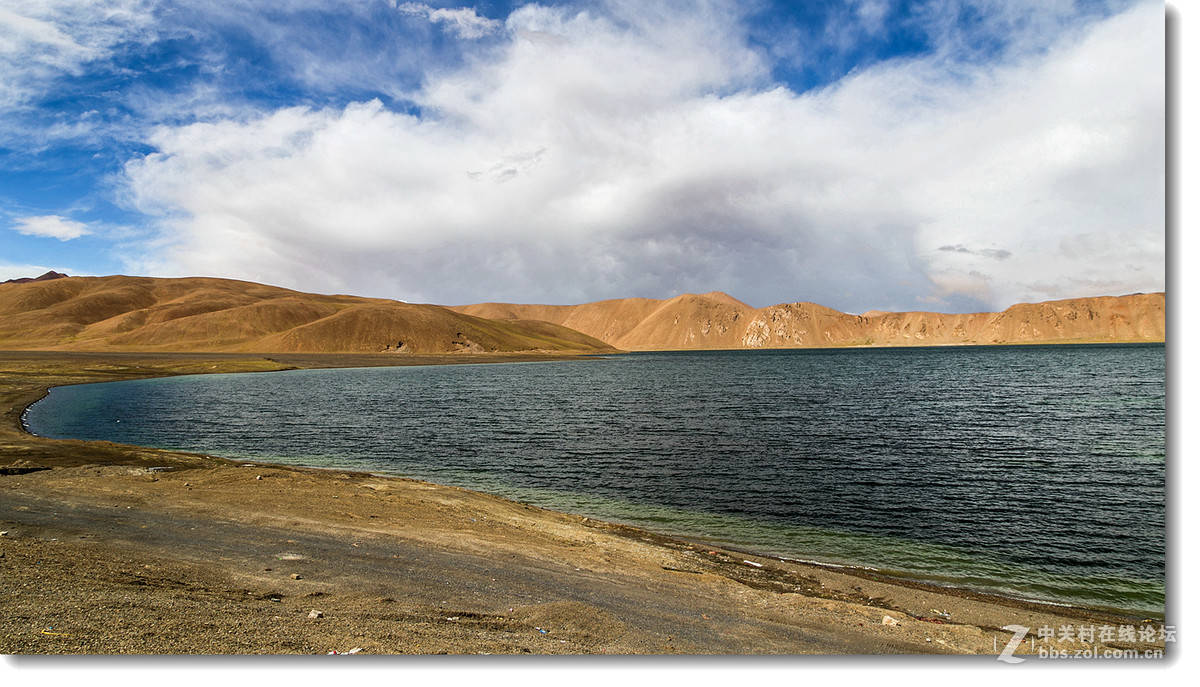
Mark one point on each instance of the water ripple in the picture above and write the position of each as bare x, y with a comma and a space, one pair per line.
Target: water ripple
1033, 470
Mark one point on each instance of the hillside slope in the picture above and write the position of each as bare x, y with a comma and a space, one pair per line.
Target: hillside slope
206, 314
719, 321
203, 314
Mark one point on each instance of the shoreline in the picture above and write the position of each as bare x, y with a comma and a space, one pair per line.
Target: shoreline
48, 466
864, 571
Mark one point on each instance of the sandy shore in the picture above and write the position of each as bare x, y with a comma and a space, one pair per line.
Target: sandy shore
116, 549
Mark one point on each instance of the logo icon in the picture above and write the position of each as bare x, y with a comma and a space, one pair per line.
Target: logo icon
1019, 632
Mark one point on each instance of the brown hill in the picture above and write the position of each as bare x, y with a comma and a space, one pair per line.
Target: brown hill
45, 277
719, 321
202, 314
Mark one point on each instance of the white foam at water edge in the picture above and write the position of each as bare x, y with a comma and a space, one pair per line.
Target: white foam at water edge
823, 564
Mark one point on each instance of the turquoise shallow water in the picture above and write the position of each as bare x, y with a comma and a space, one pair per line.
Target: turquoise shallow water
1032, 471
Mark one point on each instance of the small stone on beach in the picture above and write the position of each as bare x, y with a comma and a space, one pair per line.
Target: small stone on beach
314, 614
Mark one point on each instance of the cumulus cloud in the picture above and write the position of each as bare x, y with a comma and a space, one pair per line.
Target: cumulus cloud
645, 152
463, 21
52, 226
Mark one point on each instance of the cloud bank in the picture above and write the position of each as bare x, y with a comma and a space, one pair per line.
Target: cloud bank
646, 151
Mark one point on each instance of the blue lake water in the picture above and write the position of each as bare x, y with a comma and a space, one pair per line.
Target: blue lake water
1031, 471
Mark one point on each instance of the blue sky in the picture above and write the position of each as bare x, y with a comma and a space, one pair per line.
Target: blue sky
951, 155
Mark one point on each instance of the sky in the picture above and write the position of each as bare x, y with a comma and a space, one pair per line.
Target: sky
946, 155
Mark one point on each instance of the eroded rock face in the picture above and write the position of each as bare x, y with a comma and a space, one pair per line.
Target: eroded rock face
757, 334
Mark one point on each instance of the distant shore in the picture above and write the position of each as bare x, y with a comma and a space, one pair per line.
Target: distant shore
120, 549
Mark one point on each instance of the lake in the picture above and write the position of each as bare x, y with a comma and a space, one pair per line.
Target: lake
1030, 471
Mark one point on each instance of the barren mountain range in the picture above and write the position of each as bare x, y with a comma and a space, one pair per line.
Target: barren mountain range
205, 314
719, 321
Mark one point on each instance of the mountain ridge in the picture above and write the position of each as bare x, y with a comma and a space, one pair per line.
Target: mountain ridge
719, 321
121, 313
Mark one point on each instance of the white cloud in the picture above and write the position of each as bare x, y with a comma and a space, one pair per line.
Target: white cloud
43, 39
463, 21
595, 157
872, 14
51, 226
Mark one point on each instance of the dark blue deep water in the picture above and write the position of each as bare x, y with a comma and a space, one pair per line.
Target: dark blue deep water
1031, 471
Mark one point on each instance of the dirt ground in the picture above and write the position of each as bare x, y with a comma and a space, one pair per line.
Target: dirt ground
110, 549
